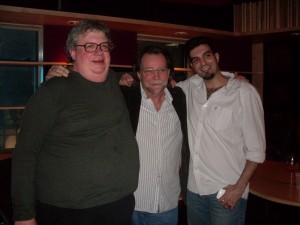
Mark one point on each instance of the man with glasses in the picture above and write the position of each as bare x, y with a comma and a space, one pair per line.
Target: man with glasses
76, 160
158, 118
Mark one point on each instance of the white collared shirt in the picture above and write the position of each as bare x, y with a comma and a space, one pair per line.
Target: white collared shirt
224, 132
159, 138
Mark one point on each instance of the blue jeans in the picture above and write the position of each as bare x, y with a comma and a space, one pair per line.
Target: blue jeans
206, 210
164, 218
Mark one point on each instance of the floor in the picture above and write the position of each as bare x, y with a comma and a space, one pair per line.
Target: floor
264, 212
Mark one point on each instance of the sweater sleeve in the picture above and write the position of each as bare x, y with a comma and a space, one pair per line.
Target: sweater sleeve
37, 120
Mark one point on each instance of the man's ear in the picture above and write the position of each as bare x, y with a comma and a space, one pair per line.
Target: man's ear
138, 75
217, 57
72, 54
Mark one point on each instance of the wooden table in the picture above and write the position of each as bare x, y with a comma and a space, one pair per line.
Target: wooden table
275, 182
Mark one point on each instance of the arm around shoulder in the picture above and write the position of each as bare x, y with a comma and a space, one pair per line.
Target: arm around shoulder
26, 222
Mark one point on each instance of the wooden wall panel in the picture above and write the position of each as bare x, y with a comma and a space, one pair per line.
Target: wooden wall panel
252, 16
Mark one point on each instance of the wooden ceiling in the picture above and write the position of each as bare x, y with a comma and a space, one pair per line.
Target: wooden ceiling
202, 2
176, 20
145, 29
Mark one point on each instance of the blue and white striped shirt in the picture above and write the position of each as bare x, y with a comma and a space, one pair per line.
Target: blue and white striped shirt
159, 139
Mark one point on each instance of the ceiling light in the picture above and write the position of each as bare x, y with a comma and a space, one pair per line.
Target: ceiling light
295, 34
181, 33
72, 22
172, 44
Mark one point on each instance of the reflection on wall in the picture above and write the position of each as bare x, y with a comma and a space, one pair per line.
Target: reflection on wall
17, 83
9, 127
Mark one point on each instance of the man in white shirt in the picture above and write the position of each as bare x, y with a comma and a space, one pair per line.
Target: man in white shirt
226, 138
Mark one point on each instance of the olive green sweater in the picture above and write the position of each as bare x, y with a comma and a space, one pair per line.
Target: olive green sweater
76, 148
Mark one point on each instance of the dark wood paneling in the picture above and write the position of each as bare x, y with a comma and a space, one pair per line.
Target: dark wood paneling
211, 14
282, 96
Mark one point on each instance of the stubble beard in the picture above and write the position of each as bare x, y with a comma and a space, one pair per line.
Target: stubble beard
206, 76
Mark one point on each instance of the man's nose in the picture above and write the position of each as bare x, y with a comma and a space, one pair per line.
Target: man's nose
98, 50
156, 74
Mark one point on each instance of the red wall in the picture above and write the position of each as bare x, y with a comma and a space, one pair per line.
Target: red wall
54, 43
126, 46
235, 54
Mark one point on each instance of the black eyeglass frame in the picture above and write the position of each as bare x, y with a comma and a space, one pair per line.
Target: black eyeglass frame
110, 46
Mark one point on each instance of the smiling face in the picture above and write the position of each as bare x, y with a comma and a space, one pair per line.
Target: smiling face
154, 74
204, 62
92, 66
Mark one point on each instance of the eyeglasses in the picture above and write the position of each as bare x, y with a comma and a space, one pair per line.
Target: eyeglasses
92, 47
152, 71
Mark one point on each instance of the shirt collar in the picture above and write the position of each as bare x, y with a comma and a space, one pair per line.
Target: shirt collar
231, 84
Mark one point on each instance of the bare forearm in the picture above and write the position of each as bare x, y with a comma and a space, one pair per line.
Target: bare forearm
57, 71
248, 171
26, 222
234, 192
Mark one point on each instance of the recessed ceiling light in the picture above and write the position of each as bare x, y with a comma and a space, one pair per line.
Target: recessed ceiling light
181, 33
72, 22
295, 34
172, 44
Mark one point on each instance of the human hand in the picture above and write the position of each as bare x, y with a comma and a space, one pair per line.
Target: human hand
57, 71
126, 80
26, 222
231, 196
172, 82
240, 77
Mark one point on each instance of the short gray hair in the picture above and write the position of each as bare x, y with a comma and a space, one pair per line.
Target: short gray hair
81, 28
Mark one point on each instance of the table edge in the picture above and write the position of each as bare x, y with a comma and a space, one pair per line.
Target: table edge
273, 199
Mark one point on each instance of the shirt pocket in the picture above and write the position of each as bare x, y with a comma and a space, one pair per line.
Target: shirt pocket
220, 118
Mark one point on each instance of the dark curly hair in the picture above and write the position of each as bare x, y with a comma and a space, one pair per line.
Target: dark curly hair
154, 50
196, 41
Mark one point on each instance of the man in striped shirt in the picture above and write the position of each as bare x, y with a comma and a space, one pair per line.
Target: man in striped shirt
158, 117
